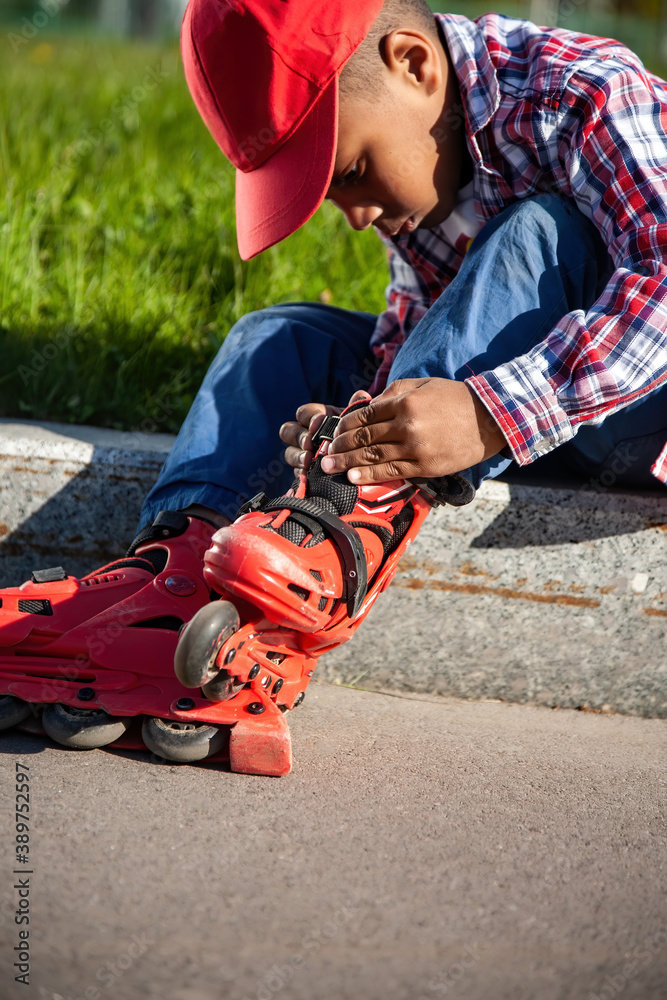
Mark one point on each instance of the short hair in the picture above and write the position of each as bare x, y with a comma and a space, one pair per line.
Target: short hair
360, 75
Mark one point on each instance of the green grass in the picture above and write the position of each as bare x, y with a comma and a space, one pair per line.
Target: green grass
119, 274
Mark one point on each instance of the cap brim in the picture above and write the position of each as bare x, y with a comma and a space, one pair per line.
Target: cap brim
274, 200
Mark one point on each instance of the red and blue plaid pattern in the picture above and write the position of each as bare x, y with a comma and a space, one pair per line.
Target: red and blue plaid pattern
548, 110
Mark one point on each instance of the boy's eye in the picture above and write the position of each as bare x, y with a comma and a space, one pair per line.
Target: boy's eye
350, 177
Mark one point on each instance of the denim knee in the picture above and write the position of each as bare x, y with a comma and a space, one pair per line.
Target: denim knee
552, 225
255, 324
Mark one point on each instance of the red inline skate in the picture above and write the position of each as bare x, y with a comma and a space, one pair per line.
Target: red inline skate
298, 575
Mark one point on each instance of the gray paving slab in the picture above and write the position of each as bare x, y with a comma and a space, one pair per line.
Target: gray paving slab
421, 848
530, 594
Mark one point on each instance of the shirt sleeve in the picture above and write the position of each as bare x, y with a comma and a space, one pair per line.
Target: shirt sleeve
611, 160
409, 296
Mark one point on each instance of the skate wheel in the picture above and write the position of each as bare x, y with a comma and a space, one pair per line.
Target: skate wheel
82, 728
12, 711
183, 742
221, 688
201, 641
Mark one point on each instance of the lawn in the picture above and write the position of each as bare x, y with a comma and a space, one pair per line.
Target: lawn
119, 271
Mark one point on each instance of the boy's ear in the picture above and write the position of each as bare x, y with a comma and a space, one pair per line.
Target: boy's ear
413, 55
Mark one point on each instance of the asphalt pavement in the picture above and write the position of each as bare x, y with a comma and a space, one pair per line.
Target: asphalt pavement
420, 848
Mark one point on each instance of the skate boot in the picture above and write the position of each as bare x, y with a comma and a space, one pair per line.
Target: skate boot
84, 657
301, 572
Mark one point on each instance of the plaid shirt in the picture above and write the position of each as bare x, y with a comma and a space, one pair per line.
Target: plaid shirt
551, 110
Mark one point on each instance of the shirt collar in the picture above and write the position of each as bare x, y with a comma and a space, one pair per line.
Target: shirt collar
474, 68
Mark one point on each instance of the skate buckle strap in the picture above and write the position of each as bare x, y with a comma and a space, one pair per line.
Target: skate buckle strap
455, 490
325, 432
345, 538
52, 575
167, 524
255, 503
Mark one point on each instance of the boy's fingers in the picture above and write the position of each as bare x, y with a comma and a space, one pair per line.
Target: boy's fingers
293, 434
305, 413
378, 411
384, 407
298, 458
374, 456
360, 394
315, 422
363, 475
364, 438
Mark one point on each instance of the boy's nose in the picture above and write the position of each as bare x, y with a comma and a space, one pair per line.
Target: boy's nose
361, 216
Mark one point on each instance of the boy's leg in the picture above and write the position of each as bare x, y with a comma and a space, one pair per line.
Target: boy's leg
537, 261
271, 362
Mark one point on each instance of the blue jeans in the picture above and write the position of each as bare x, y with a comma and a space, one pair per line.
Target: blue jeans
531, 265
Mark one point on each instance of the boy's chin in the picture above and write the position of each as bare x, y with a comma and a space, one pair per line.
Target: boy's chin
438, 213
434, 218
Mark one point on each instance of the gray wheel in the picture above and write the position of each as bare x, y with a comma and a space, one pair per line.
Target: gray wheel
12, 711
183, 742
82, 728
221, 688
200, 642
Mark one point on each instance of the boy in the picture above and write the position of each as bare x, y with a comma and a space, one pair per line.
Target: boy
516, 175
545, 148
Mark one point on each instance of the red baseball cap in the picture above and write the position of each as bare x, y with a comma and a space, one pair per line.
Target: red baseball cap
264, 76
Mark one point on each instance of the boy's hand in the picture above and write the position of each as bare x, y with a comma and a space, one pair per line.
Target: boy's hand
418, 427
298, 434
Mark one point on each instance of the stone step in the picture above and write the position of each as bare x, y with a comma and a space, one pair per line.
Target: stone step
535, 593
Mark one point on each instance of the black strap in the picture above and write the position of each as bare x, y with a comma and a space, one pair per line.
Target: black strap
168, 524
454, 490
325, 432
345, 538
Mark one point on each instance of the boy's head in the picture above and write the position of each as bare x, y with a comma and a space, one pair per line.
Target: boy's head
342, 100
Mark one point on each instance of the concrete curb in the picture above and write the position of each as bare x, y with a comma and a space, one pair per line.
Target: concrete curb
71, 493
533, 594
